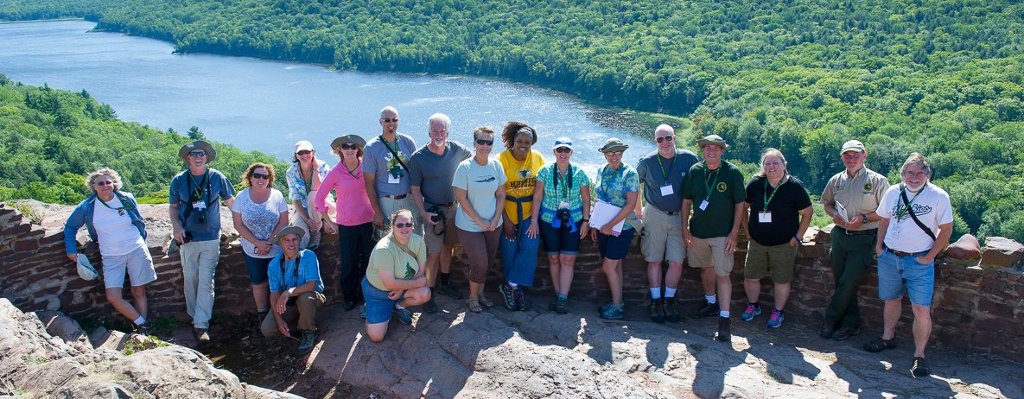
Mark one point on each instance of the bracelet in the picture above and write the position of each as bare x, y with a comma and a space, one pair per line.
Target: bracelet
584, 220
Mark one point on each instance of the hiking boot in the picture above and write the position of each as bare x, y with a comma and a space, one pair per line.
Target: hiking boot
613, 312
553, 304
752, 311
879, 345
202, 335
920, 368
657, 308
521, 303
449, 290
671, 313
844, 333
724, 328
776, 318
508, 293
827, 331
706, 309
404, 315
430, 306
142, 329
306, 342
561, 305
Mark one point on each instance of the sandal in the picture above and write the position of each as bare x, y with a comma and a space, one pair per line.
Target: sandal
474, 306
484, 301
879, 345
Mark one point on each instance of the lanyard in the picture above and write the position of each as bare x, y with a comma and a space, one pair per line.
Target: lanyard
568, 177
900, 209
120, 209
767, 198
712, 185
197, 192
664, 172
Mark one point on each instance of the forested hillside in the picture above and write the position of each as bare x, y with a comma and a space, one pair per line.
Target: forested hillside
52, 138
940, 77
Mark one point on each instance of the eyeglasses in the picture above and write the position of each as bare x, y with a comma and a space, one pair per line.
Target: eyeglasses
665, 138
389, 120
197, 154
103, 183
349, 146
563, 150
303, 152
403, 225
613, 154
260, 176
484, 142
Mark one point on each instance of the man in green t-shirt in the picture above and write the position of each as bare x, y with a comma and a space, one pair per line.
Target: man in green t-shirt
715, 191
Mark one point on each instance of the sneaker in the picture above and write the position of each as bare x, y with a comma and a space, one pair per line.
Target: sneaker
920, 368
706, 309
605, 307
430, 306
362, 312
671, 313
751, 312
202, 335
306, 342
879, 345
404, 315
724, 328
657, 308
449, 290
827, 331
508, 293
561, 305
844, 333
613, 312
553, 304
142, 329
776, 318
521, 303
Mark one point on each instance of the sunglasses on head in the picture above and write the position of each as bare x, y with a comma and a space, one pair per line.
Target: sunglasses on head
665, 138
349, 146
389, 120
260, 176
197, 154
104, 183
484, 142
403, 225
563, 150
303, 152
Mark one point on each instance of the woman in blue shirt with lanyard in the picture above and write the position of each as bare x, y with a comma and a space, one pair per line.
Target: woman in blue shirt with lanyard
618, 184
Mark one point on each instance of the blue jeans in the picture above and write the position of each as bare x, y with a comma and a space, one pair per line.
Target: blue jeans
519, 256
902, 274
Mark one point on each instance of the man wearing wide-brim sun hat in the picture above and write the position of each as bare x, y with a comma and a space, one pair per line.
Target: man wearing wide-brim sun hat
194, 197
296, 290
714, 189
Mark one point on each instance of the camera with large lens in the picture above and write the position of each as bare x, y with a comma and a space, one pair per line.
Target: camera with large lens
563, 216
438, 215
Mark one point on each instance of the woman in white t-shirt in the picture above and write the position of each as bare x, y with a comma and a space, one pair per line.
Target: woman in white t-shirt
479, 185
258, 213
112, 218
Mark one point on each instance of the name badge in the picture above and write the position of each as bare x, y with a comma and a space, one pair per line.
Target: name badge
764, 217
199, 205
666, 190
563, 205
704, 205
392, 179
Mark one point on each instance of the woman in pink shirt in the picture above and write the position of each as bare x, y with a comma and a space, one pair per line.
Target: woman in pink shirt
355, 215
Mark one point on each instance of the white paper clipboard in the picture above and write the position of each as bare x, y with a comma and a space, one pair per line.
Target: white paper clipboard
842, 212
602, 213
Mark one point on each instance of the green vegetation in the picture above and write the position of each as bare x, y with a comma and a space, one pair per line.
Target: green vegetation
942, 77
52, 139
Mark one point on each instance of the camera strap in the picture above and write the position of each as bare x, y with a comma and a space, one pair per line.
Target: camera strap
910, 210
393, 152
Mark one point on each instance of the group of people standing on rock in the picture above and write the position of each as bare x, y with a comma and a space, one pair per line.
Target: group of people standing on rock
688, 208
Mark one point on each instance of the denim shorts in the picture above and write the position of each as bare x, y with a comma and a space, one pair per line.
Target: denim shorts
378, 306
560, 240
257, 269
615, 247
902, 274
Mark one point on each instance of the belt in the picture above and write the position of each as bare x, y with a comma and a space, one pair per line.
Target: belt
400, 196
858, 232
444, 204
902, 254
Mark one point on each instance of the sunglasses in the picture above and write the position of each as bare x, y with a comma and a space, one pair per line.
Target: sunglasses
403, 225
613, 153
304, 152
563, 150
104, 183
665, 138
197, 154
260, 176
484, 142
389, 120
349, 146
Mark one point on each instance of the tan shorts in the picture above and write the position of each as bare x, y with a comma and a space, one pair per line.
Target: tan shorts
779, 259
710, 252
443, 233
663, 236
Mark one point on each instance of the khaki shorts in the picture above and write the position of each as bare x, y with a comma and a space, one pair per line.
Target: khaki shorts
708, 252
663, 236
443, 233
779, 259
138, 264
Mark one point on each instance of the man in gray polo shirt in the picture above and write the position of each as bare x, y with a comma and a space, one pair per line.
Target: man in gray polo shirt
661, 180
432, 169
385, 169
